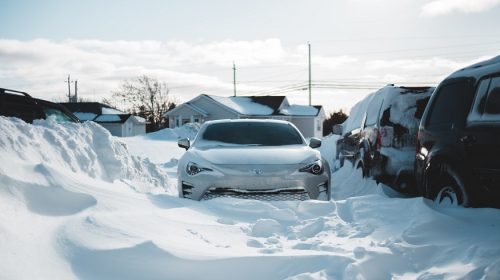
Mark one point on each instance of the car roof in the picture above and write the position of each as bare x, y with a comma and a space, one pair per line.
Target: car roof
479, 69
247, 120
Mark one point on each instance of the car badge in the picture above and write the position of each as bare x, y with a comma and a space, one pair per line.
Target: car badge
257, 171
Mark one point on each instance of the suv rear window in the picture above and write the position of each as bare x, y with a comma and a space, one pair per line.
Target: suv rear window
487, 101
451, 105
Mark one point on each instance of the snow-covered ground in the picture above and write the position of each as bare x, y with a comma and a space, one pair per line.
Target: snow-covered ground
76, 203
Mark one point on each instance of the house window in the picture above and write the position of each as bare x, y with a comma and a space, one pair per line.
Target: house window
196, 120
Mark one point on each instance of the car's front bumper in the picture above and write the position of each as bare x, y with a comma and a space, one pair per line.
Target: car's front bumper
255, 182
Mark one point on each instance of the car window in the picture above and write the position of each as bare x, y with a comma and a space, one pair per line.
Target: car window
492, 104
252, 133
373, 111
57, 115
479, 101
451, 105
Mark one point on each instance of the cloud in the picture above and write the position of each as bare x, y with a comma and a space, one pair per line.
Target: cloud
443, 7
41, 66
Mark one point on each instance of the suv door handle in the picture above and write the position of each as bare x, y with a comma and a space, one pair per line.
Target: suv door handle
468, 139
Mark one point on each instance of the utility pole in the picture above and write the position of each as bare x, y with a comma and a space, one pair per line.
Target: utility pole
234, 78
309, 47
69, 89
75, 100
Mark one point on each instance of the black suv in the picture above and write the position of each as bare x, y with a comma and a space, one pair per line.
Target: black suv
458, 145
21, 105
379, 135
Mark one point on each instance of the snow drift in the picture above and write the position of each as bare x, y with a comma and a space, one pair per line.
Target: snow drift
84, 148
68, 211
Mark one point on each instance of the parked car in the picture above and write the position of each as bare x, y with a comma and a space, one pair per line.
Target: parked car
458, 145
19, 104
379, 135
255, 159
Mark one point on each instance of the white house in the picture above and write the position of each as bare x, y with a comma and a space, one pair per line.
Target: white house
117, 122
308, 119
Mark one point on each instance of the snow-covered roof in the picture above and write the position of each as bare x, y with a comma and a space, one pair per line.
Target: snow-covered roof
110, 118
85, 116
299, 110
108, 110
243, 105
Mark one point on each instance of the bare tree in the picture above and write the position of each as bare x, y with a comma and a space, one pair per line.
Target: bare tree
146, 97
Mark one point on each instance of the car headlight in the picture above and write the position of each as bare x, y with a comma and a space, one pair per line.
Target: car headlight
193, 168
315, 168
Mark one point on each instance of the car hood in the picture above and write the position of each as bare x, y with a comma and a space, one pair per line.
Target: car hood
257, 155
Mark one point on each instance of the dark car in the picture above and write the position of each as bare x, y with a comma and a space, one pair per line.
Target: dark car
458, 145
379, 135
21, 105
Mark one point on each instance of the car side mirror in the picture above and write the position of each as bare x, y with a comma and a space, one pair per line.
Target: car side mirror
184, 143
337, 129
314, 143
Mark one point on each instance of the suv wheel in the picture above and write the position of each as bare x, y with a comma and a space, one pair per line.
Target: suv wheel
446, 187
363, 163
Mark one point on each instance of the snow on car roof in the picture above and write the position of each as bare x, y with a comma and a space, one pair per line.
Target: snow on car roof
400, 100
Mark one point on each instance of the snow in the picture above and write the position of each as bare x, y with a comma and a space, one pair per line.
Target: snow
108, 118
299, 110
402, 106
244, 105
85, 116
111, 111
77, 203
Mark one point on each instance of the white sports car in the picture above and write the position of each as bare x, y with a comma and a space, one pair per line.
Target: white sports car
255, 159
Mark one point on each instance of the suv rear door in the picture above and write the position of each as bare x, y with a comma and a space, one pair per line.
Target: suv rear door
481, 137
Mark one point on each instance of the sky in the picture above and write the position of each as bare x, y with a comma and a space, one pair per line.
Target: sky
356, 46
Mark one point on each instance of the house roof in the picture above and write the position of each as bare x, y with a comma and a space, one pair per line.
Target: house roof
91, 107
254, 106
244, 105
274, 102
100, 113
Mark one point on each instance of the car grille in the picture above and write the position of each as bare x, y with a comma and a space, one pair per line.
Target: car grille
266, 195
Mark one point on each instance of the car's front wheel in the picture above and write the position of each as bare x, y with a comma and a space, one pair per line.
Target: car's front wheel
446, 187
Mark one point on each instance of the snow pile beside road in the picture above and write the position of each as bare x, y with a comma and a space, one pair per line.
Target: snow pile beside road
161, 146
63, 219
81, 148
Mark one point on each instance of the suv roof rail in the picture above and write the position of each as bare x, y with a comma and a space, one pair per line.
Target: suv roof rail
3, 90
415, 88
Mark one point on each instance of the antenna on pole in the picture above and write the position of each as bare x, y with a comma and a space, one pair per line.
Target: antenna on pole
309, 48
234, 79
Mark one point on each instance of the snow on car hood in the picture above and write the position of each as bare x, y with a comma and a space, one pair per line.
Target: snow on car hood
256, 155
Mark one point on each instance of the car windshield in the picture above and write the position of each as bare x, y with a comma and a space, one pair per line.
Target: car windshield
252, 133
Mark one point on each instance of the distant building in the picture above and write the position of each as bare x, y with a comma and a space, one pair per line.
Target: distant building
117, 122
308, 119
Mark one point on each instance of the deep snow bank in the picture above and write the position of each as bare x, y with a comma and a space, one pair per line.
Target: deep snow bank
63, 219
81, 148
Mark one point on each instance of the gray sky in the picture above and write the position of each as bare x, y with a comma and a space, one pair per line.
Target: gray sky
357, 46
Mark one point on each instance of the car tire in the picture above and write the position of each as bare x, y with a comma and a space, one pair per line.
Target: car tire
341, 160
445, 187
363, 164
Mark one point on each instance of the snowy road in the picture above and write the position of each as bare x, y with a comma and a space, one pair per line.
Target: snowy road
74, 204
